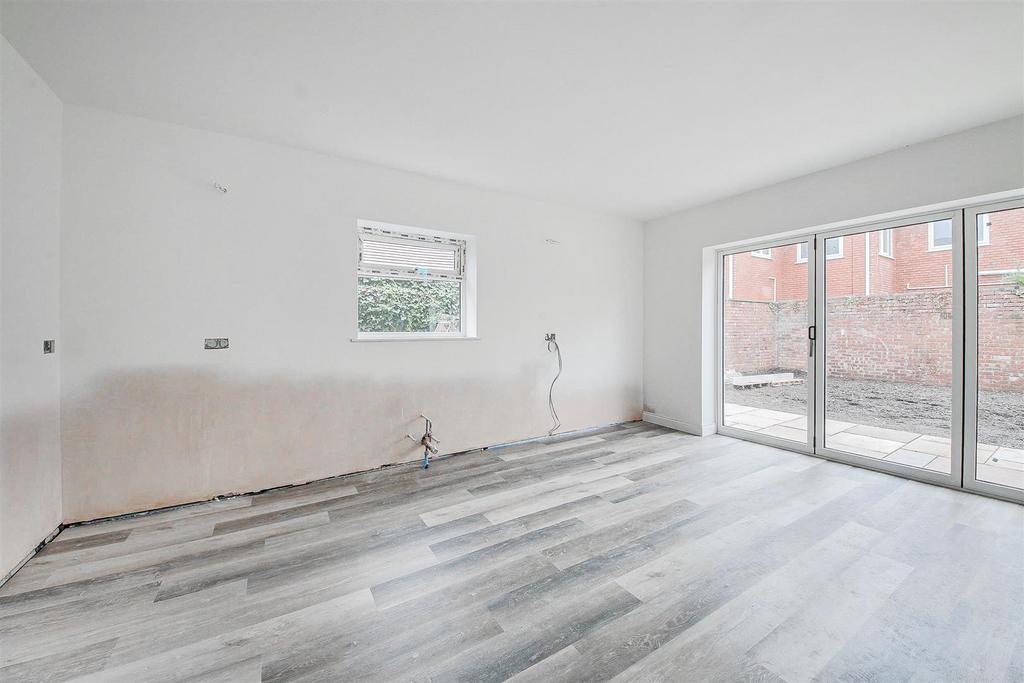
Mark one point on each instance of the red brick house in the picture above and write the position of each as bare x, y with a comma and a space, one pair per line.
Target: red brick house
905, 278
901, 260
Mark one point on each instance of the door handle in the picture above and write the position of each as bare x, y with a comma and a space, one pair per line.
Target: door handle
812, 335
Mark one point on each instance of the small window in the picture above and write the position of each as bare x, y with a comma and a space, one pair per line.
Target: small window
762, 253
984, 223
940, 235
885, 243
411, 283
834, 247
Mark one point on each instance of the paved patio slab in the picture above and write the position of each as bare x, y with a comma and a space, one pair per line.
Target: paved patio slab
996, 464
864, 445
784, 432
913, 458
1001, 475
883, 433
934, 445
1005, 454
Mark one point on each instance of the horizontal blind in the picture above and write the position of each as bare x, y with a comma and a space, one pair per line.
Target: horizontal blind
405, 254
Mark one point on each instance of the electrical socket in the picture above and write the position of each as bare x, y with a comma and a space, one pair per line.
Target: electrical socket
549, 336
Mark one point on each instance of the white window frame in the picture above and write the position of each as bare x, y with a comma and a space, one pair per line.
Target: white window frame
465, 273
931, 239
832, 257
882, 234
807, 250
762, 253
983, 238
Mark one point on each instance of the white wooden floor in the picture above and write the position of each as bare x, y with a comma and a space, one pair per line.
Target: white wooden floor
629, 554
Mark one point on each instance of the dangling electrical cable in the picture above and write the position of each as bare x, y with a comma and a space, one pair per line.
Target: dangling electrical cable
551, 390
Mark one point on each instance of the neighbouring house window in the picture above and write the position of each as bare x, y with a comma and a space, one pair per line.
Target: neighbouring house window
940, 235
762, 253
833, 249
983, 225
411, 283
885, 243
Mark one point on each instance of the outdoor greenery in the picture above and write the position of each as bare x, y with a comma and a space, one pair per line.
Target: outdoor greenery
395, 305
1017, 278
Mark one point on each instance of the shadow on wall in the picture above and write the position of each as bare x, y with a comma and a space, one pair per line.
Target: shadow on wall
146, 439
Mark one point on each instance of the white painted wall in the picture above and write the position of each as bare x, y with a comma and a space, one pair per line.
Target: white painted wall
30, 178
679, 284
155, 259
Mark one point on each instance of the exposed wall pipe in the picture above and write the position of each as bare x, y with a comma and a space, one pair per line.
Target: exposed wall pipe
867, 264
427, 441
550, 339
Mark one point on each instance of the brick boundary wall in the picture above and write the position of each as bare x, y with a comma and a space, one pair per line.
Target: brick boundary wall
895, 337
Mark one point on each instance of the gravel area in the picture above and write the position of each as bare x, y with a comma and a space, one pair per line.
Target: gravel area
910, 407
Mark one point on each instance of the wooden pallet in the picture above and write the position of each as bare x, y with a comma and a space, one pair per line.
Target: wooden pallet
773, 379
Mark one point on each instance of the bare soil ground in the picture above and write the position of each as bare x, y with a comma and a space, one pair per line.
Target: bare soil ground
909, 407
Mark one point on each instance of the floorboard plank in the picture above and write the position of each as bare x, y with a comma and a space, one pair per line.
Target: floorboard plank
632, 553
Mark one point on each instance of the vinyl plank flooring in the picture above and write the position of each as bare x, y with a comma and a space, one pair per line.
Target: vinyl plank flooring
631, 552
554, 630
708, 651
82, 659
399, 589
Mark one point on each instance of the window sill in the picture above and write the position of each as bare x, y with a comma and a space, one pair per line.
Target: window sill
412, 339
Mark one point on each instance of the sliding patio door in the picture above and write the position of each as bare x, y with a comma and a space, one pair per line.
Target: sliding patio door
766, 310
994, 392
897, 346
890, 346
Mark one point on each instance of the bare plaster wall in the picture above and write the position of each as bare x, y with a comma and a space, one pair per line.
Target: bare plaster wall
156, 259
30, 177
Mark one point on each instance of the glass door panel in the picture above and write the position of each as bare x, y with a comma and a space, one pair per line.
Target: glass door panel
888, 329
995, 425
918, 365
766, 385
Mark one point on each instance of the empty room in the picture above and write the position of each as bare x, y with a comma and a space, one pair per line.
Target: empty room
511, 341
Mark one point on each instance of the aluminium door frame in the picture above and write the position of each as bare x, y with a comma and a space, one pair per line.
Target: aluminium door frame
971, 481
953, 478
721, 255
962, 476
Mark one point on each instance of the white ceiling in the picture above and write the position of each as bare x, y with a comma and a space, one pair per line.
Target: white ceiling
631, 108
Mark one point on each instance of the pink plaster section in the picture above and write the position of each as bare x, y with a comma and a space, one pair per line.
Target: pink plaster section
147, 439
